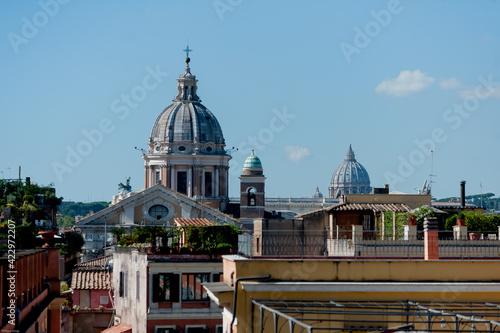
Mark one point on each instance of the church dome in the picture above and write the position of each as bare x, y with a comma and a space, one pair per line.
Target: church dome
317, 194
252, 165
350, 178
186, 122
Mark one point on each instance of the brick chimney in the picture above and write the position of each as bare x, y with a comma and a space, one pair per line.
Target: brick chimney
431, 239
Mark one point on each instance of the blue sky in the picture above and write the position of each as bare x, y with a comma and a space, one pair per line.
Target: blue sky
299, 81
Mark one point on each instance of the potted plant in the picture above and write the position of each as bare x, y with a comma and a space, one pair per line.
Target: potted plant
461, 219
412, 219
474, 236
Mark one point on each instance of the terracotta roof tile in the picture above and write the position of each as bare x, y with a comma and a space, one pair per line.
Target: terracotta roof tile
197, 222
384, 207
120, 328
97, 262
91, 279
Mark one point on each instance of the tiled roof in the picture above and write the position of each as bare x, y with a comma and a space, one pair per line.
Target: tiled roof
120, 328
388, 207
197, 222
442, 204
91, 278
383, 207
97, 262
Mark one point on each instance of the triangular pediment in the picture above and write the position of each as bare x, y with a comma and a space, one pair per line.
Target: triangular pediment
157, 205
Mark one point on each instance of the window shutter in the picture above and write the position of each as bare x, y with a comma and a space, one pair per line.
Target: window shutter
156, 288
174, 287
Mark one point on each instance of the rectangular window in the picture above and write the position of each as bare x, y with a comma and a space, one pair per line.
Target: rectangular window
196, 329
166, 329
217, 277
192, 290
137, 284
165, 287
182, 182
208, 184
122, 282
158, 178
103, 300
125, 289
366, 222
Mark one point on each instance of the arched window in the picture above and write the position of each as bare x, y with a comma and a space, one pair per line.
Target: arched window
251, 196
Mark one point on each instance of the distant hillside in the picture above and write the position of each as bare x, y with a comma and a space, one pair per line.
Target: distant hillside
71, 209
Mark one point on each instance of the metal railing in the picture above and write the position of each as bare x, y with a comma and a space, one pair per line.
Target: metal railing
365, 244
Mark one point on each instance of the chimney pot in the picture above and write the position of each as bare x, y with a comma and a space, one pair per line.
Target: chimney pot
462, 193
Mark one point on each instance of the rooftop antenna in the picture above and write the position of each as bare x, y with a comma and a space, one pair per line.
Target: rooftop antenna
431, 174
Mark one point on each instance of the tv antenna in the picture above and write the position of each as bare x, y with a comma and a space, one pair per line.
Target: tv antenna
431, 175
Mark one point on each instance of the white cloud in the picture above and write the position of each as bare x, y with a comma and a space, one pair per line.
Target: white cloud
450, 83
481, 93
406, 83
296, 153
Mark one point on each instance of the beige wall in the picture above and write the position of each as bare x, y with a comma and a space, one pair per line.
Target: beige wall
375, 279
412, 200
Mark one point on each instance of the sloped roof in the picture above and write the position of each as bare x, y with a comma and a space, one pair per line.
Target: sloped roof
91, 278
139, 197
383, 207
197, 222
120, 328
97, 262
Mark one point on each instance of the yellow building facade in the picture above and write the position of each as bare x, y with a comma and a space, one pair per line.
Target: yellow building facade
293, 295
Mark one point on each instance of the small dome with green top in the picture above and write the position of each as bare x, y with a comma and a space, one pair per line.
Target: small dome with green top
253, 165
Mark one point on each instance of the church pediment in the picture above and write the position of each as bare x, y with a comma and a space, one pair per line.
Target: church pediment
155, 205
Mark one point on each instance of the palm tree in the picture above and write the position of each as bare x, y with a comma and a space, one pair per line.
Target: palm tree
118, 232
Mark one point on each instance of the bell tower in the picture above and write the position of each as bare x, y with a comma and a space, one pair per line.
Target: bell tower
252, 188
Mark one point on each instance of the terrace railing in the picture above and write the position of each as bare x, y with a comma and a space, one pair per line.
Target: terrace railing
361, 245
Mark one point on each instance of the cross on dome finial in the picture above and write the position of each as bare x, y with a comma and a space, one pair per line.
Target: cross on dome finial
187, 50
